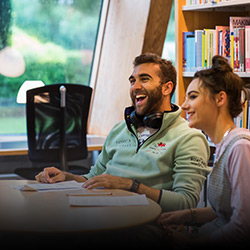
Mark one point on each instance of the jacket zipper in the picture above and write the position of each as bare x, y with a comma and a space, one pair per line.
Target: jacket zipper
138, 146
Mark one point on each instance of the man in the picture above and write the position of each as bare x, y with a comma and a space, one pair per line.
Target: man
153, 151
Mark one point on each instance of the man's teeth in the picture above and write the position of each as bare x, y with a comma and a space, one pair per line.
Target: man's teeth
140, 96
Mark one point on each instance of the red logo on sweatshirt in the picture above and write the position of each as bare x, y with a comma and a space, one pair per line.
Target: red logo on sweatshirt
161, 144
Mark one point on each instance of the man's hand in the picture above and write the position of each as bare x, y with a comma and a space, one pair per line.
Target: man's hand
51, 175
115, 182
108, 181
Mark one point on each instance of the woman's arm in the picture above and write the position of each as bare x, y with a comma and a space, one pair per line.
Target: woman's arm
187, 216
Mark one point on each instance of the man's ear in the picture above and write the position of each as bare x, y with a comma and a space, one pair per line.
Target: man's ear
167, 88
221, 98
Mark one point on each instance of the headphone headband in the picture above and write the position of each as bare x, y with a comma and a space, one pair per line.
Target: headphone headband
151, 120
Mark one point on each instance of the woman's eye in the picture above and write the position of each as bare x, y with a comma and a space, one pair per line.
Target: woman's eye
192, 97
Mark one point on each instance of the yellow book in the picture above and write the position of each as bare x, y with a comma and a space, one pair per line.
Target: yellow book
203, 49
244, 122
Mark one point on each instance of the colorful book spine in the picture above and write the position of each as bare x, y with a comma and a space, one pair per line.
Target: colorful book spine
241, 49
247, 49
223, 41
235, 23
236, 50
226, 43
203, 49
205, 37
211, 46
188, 51
200, 46
198, 49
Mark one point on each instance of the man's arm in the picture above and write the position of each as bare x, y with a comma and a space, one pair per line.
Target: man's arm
190, 171
151, 193
115, 182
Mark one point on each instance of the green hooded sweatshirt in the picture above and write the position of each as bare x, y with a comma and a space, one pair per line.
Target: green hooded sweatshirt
174, 159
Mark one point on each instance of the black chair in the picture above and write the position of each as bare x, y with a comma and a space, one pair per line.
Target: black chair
56, 127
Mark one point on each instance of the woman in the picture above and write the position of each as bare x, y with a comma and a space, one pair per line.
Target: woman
213, 100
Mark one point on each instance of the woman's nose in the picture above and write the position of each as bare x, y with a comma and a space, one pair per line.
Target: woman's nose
184, 105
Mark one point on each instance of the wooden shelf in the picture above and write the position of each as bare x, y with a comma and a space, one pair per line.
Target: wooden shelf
241, 5
241, 74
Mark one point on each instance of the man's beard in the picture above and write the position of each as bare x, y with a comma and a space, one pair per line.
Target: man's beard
154, 101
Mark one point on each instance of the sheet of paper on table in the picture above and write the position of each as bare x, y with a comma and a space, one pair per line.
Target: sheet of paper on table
102, 201
66, 185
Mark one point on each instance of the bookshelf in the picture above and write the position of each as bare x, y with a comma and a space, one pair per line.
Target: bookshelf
226, 6
202, 16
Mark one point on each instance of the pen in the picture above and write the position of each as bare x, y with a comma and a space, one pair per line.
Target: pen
90, 194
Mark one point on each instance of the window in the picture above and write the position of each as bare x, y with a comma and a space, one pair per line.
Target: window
52, 41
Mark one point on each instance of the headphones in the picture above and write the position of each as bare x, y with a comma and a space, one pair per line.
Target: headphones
151, 120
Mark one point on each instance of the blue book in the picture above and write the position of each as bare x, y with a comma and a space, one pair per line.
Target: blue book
190, 45
188, 39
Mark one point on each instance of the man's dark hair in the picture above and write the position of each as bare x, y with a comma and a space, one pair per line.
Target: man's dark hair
167, 70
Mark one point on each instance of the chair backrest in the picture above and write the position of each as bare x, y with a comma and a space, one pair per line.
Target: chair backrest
43, 113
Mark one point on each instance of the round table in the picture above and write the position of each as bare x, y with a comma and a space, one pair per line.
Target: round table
31, 211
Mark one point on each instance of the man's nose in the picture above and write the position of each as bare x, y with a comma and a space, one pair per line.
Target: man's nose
137, 84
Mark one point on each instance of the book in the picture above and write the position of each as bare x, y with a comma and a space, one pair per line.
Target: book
247, 49
248, 115
205, 46
211, 46
235, 23
219, 38
199, 52
223, 41
241, 49
189, 51
231, 42
236, 64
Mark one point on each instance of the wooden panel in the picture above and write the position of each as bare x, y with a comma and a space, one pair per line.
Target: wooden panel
180, 26
157, 24
122, 42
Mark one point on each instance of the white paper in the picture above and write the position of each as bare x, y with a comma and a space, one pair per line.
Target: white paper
102, 201
66, 185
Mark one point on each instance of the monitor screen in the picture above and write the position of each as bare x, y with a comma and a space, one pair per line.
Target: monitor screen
48, 120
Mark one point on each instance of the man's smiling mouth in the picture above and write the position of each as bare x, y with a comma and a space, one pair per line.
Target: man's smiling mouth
140, 98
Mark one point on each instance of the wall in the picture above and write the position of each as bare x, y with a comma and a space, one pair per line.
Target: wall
130, 28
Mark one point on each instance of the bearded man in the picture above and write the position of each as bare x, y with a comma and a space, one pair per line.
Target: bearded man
153, 151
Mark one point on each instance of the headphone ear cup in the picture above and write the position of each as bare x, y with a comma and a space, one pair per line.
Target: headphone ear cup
153, 120
136, 120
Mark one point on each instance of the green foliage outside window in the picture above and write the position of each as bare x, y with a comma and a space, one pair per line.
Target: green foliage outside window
56, 39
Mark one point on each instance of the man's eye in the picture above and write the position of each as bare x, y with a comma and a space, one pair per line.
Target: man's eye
144, 79
132, 82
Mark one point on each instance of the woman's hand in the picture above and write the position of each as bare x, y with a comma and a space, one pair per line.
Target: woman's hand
174, 218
